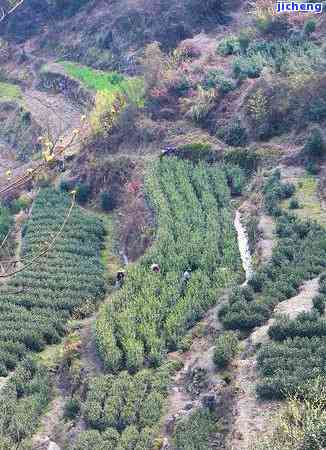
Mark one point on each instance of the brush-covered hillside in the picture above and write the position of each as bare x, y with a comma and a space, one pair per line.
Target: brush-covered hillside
162, 225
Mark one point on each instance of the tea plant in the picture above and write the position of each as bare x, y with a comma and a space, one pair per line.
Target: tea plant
153, 311
22, 400
37, 302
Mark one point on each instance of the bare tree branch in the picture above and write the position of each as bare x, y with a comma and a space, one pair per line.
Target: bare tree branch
5, 14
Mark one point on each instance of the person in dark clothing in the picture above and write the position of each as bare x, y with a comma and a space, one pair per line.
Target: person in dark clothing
120, 278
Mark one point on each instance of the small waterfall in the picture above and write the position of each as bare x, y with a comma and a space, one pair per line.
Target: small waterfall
243, 247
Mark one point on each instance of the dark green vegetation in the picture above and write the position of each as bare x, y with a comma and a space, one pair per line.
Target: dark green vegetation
195, 432
36, 303
124, 411
300, 255
226, 347
302, 423
296, 357
153, 311
22, 401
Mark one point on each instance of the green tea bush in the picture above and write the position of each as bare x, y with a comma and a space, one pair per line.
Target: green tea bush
37, 302
309, 27
226, 347
319, 302
22, 400
299, 255
153, 312
274, 191
195, 432
197, 152
125, 408
289, 367
72, 408
305, 325
293, 363
236, 179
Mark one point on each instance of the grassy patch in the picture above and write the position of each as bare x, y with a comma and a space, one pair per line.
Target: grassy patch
309, 202
9, 91
97, 80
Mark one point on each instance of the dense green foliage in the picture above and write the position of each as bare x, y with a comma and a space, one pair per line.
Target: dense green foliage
279, 55
226, 347
302, 423
22, 401
297, 356
195, 231
300, 254
36, 303
288, 367
274, 191
124, 411
98, 80
195, 432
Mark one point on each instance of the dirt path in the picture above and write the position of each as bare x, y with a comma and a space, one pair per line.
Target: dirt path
49, 422
266, 227
252, 417
89, 357
184, 395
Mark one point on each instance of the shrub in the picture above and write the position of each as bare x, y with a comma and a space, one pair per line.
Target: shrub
319, 302
217, 79
128, 336
244, 38
309, 26
294, 204
244, 67
72, 408
236, 179
257, 281
83, 192
197, 152
226, 347
233, 134
195, 432
314, 146
108, 201
228, 46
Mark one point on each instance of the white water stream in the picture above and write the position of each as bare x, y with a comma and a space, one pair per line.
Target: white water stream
243, 243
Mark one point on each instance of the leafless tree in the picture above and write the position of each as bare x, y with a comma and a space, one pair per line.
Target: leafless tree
9, 7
